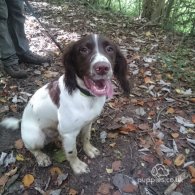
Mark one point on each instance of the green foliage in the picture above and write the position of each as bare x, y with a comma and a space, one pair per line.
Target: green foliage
179, 66
182, 17
178, 16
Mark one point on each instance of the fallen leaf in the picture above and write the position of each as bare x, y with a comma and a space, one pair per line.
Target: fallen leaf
192, 181
148, 158
192, 100
147, 80
72, 192
112, 135
61, 178
129, 188
167, 162
193, 118
128, 127
104, 189
19, 144
140, 102
55, 171
175, 135
3, 180
148, 34
19, 157
116, 165
170, 110
50, 74
13, 108
140, 111
59, 156
109, 170
112, 145
27, 180
180, 159
192, 171
183, 121
122, 181
144, 126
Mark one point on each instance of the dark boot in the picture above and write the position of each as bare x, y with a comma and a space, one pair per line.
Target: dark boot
15, 71
32, 58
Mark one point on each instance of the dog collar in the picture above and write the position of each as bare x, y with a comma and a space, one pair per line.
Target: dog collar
84, 91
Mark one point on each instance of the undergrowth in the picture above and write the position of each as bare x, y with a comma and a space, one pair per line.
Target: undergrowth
178, 66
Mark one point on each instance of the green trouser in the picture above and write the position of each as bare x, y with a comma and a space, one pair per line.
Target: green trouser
13, 40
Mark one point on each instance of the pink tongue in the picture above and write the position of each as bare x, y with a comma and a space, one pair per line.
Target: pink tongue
100, 88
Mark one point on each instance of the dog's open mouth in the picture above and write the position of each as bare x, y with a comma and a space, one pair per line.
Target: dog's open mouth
99, 87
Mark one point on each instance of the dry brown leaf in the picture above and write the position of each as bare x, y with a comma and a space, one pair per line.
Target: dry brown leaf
140, 102
112, 145
192, 171
170, 110
148, 158
55, 171
112, 135
3, 180
167, 162
19, 144
13, 108
116, 165
5, 177
144, 126
104, 189
128, 127
147, 80
192, 100
129, 188
175, 135
27, 180
192, 181
124, 132
151, 113
72, 192
50, 74
193, 118
180, 159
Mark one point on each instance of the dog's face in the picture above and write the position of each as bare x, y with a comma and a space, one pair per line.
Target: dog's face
94, 59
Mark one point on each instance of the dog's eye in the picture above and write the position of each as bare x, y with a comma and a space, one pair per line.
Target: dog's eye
109, 49
84, 50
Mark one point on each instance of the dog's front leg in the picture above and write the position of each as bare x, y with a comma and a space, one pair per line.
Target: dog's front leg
69, 143
90, 150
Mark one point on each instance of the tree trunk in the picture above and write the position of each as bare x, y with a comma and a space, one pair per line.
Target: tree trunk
168, 10
147, 8
158, 11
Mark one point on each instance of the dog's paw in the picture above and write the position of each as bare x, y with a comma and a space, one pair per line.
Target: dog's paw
79, 167
91, 151
43, 160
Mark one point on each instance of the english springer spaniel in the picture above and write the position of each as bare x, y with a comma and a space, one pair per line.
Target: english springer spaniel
69, 105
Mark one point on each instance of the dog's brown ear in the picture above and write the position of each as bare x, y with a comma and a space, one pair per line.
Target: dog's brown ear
121, 70
69, 62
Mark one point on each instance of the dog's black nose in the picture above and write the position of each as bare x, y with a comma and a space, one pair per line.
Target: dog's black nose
101, 68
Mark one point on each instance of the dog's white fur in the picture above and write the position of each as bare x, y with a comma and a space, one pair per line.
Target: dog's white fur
43, 120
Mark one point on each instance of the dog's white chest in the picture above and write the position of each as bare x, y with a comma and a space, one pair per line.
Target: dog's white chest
76, 111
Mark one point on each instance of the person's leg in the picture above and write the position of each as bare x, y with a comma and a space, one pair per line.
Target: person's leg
16, 21
7, 52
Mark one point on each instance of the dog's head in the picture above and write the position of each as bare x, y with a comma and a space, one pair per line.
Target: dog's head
94, 59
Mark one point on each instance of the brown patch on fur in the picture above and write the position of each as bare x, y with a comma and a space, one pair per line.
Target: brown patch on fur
54, 92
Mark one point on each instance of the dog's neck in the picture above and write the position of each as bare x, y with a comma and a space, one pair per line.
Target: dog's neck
81, 86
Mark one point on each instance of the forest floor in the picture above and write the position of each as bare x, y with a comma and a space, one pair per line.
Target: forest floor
147, 141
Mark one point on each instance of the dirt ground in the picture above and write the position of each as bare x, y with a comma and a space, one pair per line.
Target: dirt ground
145, 134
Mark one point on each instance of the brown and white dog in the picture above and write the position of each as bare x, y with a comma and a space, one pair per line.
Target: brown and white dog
68, 106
